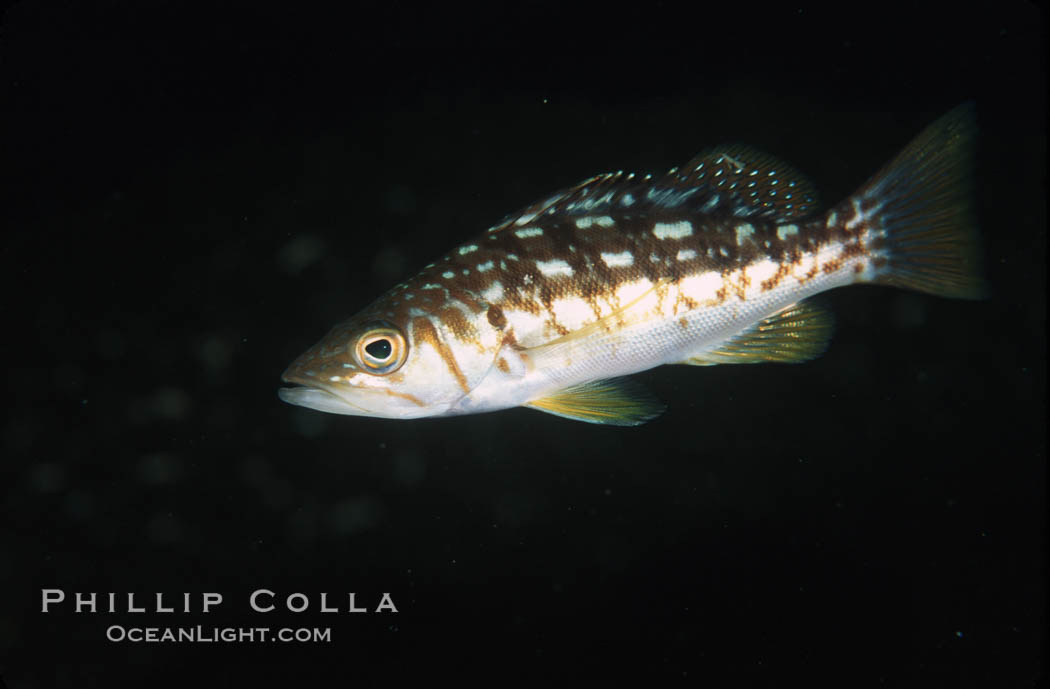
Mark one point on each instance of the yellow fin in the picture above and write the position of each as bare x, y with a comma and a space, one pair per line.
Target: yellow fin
614, 402
793, 335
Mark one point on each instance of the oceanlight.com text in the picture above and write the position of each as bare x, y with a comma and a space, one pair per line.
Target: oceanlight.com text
205, 634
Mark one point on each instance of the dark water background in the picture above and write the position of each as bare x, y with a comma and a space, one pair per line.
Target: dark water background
192, 195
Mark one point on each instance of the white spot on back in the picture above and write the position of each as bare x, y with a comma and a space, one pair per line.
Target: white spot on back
588, 220
673, 230
448, 275
487, 265
493, 292
702, 287
529, 232
743, 231
468, 249
623, 259
572, 312
554, 268
785, 231
686, 255
630, 291
761, 271
627, 200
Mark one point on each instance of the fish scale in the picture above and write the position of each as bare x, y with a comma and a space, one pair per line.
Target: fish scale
708, 264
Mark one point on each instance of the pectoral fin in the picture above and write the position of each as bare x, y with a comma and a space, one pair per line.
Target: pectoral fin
796, 334
614, 402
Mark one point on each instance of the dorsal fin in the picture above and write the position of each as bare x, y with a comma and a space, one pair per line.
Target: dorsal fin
601, 192
751, 183
731, 179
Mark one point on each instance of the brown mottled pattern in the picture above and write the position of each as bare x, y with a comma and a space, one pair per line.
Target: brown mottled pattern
516, 262
423, 332
733, 198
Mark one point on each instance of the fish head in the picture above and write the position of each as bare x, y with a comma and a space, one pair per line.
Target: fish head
395, 363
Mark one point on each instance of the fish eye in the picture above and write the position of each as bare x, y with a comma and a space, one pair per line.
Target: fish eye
381, 348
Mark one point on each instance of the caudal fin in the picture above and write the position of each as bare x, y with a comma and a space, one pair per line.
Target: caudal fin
922, 203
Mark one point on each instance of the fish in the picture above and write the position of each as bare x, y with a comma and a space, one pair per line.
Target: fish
713, 263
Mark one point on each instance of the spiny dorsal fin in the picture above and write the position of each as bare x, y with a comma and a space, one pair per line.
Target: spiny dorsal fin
752, 183
793, 335
731, 178
614, 402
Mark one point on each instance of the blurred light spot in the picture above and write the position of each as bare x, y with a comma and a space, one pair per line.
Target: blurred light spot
159, 468
354, 515
170, 403
51, 315
389, 264
300, 253
164, 528
68, 377
21, 432
309, 423
79, 504
409, 467
908, 311
515, 509
400, 200
275, 492
110, 344
216, 352
223, 413
47, 477
302, 525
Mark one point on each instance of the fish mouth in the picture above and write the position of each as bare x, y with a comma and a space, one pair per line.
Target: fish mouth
312, 394
320, 400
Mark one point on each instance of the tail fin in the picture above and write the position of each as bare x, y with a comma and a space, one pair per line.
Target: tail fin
922, 203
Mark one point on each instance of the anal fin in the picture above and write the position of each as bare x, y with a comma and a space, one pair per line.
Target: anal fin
614, 402
795, 334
